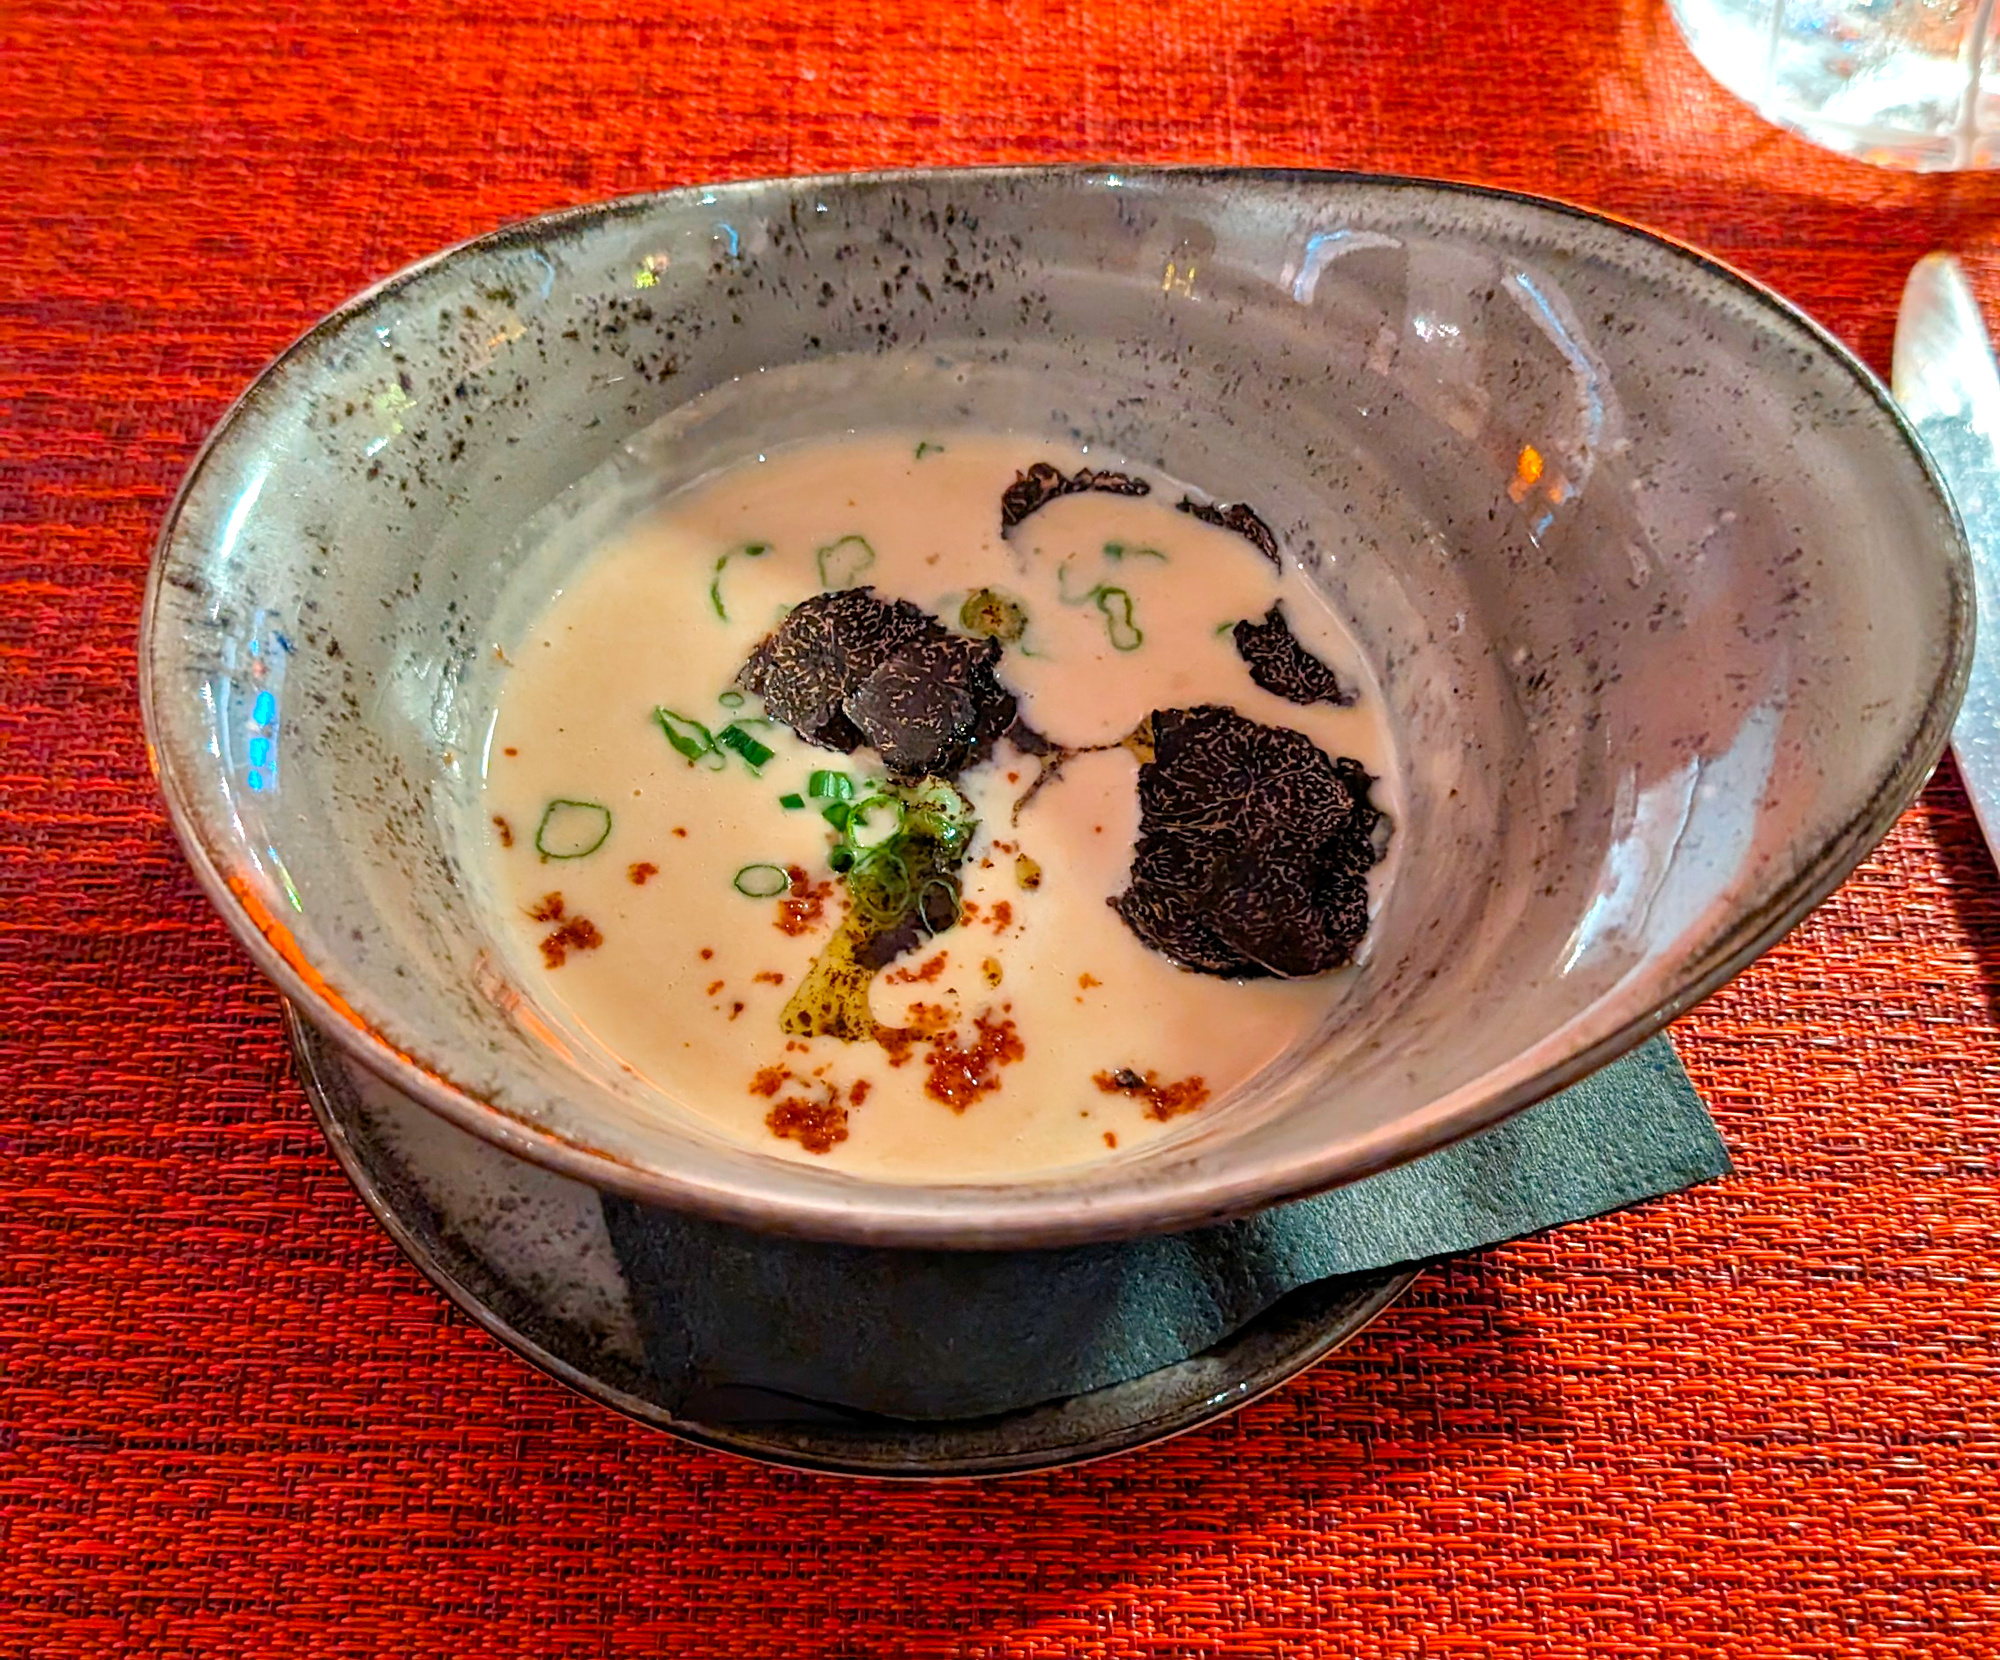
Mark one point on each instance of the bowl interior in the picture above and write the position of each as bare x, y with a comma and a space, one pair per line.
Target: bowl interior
1668, 609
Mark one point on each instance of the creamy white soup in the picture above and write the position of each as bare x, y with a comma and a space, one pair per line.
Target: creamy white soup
922, 974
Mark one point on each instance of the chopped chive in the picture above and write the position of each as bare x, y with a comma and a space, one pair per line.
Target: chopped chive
792, 802
734, 737
1117, 552
571, 829
830, 786
928, 448
731, 699
691, 740
1224, 627
1116, 605
841, 563
761, 881
749, 550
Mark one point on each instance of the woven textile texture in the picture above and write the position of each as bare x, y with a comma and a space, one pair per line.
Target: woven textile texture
1759, 1419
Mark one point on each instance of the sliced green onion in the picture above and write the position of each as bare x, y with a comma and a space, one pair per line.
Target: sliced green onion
842, 860
691, 740
731, 699
838, 814
830, 786
1117, 552
1224, 627
792, 802
761, 881
734, 737
841, 563
928, 448
949, 889
571, 829
749, 550
993, 615
1116, 605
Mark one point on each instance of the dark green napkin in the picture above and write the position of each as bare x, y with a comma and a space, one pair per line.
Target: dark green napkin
947, 1334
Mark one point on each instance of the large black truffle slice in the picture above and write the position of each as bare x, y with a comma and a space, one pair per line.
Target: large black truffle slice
1235, 516
848, 668
1044, 482
1279, 664
1254, 848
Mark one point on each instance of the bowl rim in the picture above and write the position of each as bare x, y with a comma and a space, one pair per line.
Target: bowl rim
1035, 1212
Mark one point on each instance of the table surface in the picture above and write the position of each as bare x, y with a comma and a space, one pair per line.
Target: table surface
1758, 1419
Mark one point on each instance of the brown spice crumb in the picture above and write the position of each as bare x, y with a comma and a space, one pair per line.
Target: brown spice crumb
968, 911
577, 934
734, 1010
991, 969
817, 1126
769, 1080
640, 872
918, 976
804, 906
550, 909
706, 953
1088, 980
713, 987
960, 1075
1003, 915
1110, 1140
858, 1091
505, 829
510, 752
769, 977
1013, 778
1163, 1101
680, 832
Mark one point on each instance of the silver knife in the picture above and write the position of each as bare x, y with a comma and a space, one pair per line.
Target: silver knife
1949, 385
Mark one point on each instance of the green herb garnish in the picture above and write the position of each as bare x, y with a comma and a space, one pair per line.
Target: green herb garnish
792, 802
691, 740
571, 829
841, 563
761, 881
993, 615
830, 786
749, 550
898, 888
928, 448
1117, 552
735, 738
1116, 604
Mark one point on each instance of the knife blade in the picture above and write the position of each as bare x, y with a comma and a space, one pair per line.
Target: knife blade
1945, 377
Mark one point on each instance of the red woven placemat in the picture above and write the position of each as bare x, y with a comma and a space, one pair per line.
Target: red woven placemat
1755, 1420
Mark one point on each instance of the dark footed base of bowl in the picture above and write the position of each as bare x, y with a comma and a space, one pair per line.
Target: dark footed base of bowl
525, 1254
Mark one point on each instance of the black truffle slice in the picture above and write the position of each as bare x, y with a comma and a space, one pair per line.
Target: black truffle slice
1235, 516
1254, 848
848, 668
1279, 664
826, 647
1044, 482
934, 708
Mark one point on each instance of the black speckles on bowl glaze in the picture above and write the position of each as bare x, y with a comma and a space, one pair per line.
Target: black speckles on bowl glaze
1668, 611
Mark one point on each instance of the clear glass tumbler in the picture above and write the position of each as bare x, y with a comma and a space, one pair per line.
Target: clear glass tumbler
1903, 83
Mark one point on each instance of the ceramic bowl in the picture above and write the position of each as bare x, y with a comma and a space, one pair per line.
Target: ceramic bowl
1671, 614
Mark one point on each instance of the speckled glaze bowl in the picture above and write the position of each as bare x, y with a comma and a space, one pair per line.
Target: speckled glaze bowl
1670, 610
